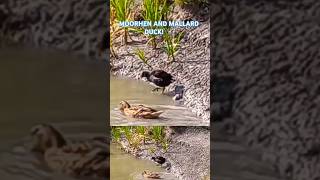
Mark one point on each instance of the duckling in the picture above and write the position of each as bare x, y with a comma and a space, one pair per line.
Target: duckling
159, 159
139, 111
159, 78
151, 175
86, 159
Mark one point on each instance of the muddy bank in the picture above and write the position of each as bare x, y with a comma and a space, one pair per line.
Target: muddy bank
188, 154
191, 68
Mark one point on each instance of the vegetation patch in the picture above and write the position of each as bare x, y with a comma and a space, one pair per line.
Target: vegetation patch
141, 137
154, 11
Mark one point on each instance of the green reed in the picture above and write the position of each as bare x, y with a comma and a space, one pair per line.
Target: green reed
172, 44
122, 9
137, 135
116, 133
154, 11
142, 56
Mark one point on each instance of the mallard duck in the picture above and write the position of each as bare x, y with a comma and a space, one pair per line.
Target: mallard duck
159, 159
76, 159
159, 78
139, 111
152, 175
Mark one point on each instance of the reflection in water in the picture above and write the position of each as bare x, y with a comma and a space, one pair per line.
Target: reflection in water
46, 87
139, 92
124, 166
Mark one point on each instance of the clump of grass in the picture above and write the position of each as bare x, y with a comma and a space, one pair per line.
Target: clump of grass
188, 2
137, 140
157, 133
138, 135
127, 131
122, 12
154, 11
172, 44
142, 56
116, 133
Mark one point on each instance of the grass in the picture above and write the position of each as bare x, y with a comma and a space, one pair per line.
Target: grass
172, 44
142, 56
154, 11
157, 133
116, 133
121, 12
138, 136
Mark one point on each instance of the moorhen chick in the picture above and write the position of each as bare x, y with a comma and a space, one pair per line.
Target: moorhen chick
159, 159
159, 78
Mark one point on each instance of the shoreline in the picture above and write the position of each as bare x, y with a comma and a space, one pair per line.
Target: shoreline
193, 145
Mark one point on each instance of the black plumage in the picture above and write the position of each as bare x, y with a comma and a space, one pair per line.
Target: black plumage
159, 159
159, 78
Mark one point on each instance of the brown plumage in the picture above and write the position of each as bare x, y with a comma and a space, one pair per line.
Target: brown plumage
75, 159
151, 175
139, 111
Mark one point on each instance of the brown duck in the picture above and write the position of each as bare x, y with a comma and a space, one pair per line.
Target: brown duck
139, 111
75, 159
151, 175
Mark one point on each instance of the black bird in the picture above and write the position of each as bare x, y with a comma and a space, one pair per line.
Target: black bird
159, 159
159, 78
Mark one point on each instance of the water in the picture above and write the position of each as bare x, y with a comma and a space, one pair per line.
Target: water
139, 92
46, 87
125, 166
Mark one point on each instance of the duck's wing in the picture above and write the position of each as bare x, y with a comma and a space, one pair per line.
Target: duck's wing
145, 108
70, 161
154, 176
150, 115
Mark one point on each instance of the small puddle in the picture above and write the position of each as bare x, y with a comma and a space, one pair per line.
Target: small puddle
125, 166
139, 92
